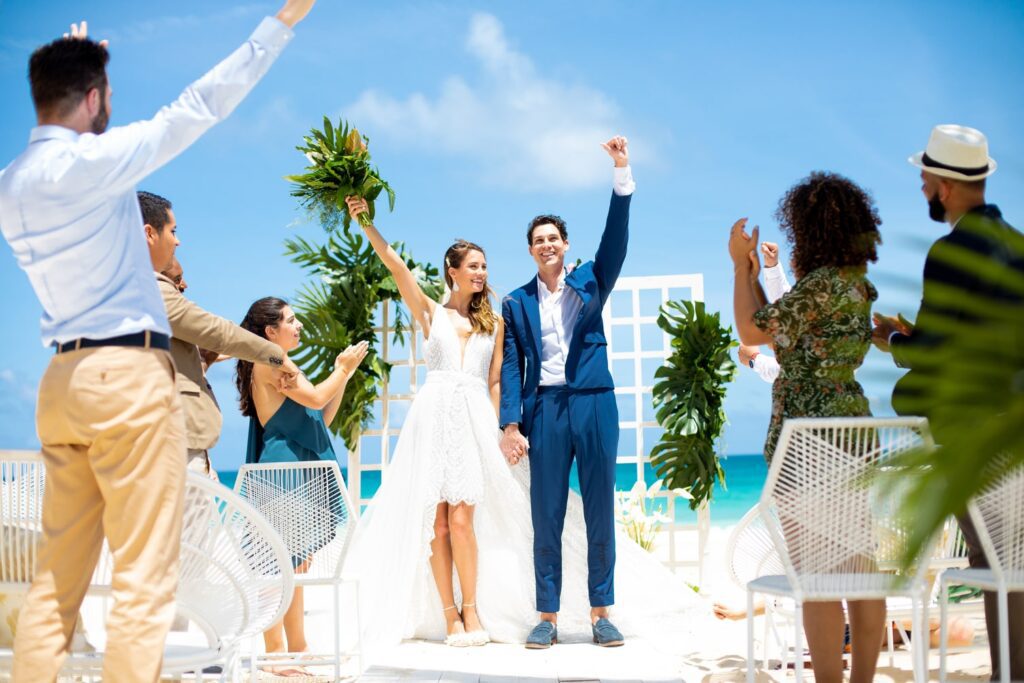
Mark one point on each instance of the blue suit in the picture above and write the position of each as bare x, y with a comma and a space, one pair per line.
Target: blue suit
577, 420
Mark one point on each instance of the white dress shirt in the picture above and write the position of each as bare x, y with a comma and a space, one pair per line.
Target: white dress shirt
560, 309
775, 285
69, 211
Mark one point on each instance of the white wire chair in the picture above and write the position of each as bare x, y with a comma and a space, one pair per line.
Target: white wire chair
750, 554
309, 506
235, 576
998, 517
833, 526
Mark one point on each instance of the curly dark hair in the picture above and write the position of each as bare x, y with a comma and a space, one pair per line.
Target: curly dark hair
830, 221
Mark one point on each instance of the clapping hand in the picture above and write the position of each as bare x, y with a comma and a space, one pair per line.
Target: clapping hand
742, 245
349, 359
618, 150
770, 251
884, 328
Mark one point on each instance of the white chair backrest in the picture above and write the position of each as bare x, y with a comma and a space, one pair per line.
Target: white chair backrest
749, 552
22, 480
236, 577
827, 515
308, 504
998, 516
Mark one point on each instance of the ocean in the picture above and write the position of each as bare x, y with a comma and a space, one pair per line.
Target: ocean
744, 474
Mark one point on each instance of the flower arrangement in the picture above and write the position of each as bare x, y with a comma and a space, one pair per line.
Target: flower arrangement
339, 167
636, 510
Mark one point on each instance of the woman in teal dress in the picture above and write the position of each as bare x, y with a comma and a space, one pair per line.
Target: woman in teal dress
821, 331
289, 425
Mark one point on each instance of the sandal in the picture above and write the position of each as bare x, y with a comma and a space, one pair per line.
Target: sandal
480, 636
458, 638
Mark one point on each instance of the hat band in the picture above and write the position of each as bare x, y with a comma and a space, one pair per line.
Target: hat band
978, 170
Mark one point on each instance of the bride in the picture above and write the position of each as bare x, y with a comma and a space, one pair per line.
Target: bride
450, 500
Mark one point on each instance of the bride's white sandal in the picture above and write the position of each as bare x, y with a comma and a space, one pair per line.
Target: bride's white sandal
479, 637
458, 639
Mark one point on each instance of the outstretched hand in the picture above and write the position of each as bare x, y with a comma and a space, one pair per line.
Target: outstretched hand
741, 244
295, 11
80, 31
618, 150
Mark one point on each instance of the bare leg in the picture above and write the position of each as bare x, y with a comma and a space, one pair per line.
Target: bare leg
598, 613
289, 634
441, 566
824, 626
460, 520
867, 624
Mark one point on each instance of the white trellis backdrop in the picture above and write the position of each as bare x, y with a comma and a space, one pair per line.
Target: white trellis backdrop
636, 349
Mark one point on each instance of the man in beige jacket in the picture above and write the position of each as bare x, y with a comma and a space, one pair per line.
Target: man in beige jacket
193, 328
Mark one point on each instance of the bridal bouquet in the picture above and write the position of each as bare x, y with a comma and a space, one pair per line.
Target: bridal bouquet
339, 167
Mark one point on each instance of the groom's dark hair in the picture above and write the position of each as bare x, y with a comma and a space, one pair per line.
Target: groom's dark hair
545, 219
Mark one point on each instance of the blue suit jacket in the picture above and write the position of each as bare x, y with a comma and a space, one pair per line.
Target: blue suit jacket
586, 366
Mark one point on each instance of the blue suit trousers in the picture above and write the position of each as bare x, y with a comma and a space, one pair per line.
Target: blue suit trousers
583, 425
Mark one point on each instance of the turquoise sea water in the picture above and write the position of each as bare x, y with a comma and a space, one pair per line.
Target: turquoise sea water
744, 474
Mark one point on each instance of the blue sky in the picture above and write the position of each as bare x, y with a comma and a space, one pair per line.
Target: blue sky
484, 114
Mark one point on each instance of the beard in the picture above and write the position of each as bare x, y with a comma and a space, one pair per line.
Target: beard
936, 211
100, 121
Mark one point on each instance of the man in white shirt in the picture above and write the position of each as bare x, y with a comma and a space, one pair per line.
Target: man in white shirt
109, 417
775, 285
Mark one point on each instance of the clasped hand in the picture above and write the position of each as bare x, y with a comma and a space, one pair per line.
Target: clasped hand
513, 444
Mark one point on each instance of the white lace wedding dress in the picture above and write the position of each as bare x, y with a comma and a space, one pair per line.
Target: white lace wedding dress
448, 450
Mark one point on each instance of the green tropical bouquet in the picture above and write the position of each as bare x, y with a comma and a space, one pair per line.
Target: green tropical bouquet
339, 167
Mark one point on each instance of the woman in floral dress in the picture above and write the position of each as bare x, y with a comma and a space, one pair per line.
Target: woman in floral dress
821, 331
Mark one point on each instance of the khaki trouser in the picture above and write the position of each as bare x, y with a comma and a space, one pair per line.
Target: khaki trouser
113, 435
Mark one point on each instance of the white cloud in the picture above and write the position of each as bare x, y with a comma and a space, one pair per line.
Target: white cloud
522, 130
7, 375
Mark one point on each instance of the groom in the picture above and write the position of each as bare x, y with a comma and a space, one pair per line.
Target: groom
557, 398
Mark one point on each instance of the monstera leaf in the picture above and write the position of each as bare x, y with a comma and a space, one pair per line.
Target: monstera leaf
689, 391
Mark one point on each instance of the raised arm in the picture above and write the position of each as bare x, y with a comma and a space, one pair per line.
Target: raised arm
121, 157
611, 252
420, 305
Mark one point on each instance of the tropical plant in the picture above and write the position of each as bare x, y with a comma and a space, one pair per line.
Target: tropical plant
337, 310
968, 381
339, 167
637, 512
689, 391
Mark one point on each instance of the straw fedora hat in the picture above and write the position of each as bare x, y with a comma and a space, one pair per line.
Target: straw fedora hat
956, 152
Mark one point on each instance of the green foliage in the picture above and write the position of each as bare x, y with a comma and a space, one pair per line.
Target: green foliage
969, 383
339, 167
689, 391
338, 310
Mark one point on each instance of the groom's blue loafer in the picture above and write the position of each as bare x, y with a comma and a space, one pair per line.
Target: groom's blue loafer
605, 634
543, 636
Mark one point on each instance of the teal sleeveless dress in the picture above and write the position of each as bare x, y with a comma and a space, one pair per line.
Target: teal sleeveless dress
294, 433
298, 434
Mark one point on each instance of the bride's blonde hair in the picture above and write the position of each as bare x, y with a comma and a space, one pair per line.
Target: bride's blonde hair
482, 317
